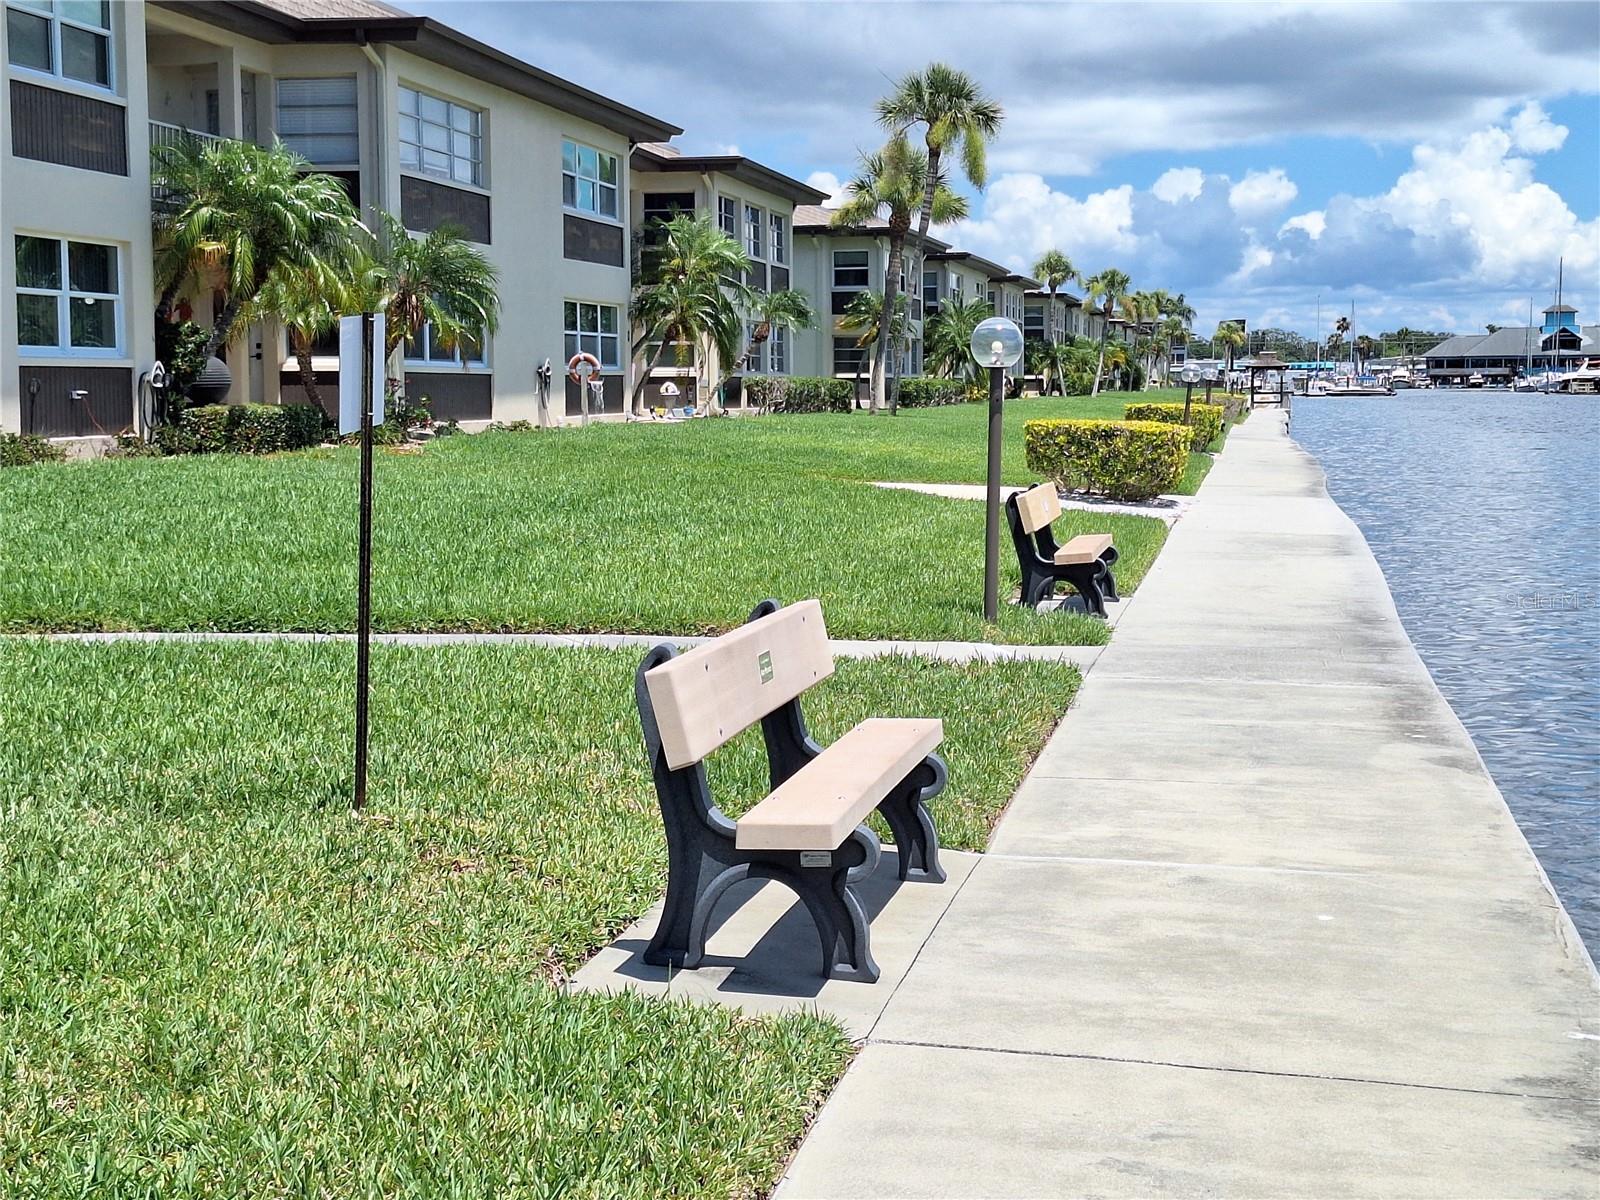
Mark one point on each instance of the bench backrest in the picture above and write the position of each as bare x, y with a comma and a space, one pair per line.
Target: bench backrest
707, 696
1037, 507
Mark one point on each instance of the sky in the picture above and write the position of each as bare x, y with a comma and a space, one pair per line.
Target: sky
1429, 163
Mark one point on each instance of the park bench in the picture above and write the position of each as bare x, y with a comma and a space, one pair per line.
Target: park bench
1084, 562
807, 833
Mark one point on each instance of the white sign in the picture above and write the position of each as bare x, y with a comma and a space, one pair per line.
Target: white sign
350, 373
669, 388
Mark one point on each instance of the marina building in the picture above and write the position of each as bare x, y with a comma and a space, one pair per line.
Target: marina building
1559, 341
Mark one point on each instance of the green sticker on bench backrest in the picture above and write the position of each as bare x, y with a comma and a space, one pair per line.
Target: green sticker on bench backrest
711, 694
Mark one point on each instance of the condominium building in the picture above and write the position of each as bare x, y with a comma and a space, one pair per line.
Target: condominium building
834, 265
755, 206
416, 118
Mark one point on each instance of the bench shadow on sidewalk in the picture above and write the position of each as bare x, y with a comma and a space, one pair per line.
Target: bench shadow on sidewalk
764, 956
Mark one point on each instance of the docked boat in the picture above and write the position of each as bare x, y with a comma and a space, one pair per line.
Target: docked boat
1355, 385
1475, 380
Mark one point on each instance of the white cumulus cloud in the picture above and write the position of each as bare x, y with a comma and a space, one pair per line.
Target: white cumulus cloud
827, 181
1262, 192
1313, 223
1178, 183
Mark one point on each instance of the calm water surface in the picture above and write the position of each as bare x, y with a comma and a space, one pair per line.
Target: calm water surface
1483, 508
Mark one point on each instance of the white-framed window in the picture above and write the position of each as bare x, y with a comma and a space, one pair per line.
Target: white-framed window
850, 269
317, 119
930, 288
70, 39
427, 350
592, 329
992, 307
728, 215
69, 297
441, 138
589, 179
847, 356
778, 350
753, 237
753, 355
780, 240
957, 285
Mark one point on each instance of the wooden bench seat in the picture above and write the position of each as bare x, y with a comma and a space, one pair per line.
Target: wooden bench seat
1084, 562
818, 806
807, 832
1085, 548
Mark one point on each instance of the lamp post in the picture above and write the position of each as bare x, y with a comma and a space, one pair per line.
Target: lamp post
996, 344
1210, 375
1190, 376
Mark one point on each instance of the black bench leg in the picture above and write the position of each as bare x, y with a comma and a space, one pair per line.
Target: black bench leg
905, 812
1085, 577
841, 924
1036, 589
1108, 581
674, 943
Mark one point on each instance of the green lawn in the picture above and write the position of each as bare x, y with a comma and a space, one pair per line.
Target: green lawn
650, 528
215, 981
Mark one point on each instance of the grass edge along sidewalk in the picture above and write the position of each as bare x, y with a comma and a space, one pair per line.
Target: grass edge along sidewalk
210, 973
638, 528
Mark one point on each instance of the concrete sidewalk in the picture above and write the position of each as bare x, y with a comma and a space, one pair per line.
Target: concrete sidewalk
1258, 923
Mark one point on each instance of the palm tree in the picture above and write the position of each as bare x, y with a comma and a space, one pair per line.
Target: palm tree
952, 108
1114, 358
1230, 336
1170, 332
1110, 286
237, 213
440, 280
889, 184
692, 297
1055, 270
947, 340
1366, 348
308, 303
788, 309
863, 316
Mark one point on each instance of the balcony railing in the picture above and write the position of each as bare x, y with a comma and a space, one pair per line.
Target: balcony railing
162, 133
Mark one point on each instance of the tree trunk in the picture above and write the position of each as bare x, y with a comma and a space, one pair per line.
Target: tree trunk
891, 293
1100, 365
223, 326
644, 378
308, 375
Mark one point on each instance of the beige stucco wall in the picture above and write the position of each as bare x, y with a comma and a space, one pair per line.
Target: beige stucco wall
66, 202
814, 273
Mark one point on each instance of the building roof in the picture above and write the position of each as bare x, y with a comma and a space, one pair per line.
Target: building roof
1038, 289
1027, 281
362, 21
992, 269
1560, 308
658, 156
813, 218
1510, 342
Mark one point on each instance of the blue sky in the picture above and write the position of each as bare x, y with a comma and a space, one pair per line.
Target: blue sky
1429, 161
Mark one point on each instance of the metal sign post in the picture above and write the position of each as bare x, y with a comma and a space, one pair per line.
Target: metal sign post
361, 368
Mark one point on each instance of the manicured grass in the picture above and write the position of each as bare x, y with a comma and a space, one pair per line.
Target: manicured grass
215, 981
654, 528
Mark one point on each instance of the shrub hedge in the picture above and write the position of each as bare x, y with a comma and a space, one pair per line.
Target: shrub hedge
1125, 460
928, 392
25, 449
243, 429
1204, 419
800, 393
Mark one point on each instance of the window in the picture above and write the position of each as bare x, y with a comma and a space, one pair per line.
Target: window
847, 356
68, 295
850, 269
780, 240
752, 231
752, 351
778, 350
588, 180
728, 215
70, 39
440, 138
317, 119
428, 351
592, 329
957, 285
991, 300
930, 289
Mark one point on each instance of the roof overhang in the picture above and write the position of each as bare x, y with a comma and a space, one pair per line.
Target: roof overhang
436, 42
992, 269
735, 166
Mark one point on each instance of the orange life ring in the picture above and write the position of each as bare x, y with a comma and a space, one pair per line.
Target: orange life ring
582, 357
